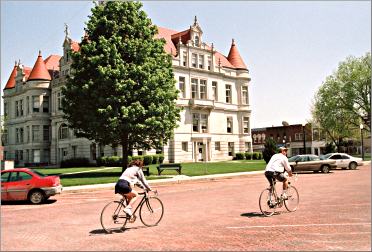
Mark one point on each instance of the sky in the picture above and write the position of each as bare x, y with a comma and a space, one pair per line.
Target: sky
289, 47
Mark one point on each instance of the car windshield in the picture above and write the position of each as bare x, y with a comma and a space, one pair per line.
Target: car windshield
326, 156
313, 158
294, 159
39, 173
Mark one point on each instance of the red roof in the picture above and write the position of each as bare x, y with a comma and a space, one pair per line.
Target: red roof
75, 46
165, 33
11, 81
52, 62
235, 58
39, 71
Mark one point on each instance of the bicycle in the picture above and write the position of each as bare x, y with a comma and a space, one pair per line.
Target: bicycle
151, 212
269, 200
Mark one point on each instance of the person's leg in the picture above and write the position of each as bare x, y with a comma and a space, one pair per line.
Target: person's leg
131, 198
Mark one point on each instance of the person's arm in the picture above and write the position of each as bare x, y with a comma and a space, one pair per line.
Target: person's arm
142, 178
287, 167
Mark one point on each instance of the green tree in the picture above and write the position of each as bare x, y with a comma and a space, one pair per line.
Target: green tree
269, 150
344, 99
122, 89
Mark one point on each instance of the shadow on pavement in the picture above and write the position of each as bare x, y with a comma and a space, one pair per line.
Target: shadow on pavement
252, 214
26, 202
118, 230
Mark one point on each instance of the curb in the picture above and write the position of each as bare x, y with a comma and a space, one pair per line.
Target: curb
176, 179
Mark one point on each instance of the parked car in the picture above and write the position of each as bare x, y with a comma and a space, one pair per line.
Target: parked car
343, 160
28, 184
311, 163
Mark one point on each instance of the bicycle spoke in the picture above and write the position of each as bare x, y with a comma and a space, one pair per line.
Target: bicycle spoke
267, 203
293, 199
113, 217
151, 211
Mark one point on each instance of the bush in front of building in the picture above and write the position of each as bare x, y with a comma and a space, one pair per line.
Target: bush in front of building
239, 156
75, 162
161, 158
257, 155
248, 155
111, 161
147, 159
155, 159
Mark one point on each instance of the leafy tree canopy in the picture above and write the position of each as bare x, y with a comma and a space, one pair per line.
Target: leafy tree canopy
344, 99
270, 149
122, 89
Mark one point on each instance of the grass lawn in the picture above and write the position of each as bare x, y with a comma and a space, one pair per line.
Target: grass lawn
101, 175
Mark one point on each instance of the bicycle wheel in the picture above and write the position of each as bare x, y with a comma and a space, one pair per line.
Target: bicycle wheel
113, 217
293, 199
151, 211
267, 203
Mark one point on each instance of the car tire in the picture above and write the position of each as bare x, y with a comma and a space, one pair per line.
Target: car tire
324, 169
36, 196
353, 166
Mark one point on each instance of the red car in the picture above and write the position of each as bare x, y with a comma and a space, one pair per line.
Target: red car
28, 184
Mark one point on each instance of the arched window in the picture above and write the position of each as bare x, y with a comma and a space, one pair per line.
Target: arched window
196, 40
63, 131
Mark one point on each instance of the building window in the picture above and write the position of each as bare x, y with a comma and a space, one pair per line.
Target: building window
27, 158
5, 136
46, 104
201, 61
16, 109
28, 105
246, 125
228, 93
196, 40
63, 131
181, 86
246, 146
200, 122
46, 155
20, 103
36, 103
231, 148
17, 135
299, 137
245, 95
194, 60
203, 89
185, 146
217, 146
229, 125
36, 156
46, 133
35, 133
5, 109
209, 63
194, 88
195, 122
214, 90
27, 134
184, 59
59, 100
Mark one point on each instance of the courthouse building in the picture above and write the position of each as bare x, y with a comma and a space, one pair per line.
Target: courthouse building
214, 95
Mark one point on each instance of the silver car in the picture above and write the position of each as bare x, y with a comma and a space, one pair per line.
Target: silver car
343, 160
311, 163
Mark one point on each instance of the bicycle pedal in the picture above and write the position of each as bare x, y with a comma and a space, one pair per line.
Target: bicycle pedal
132, 219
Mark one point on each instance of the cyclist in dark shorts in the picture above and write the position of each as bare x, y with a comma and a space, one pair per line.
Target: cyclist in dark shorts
277, 167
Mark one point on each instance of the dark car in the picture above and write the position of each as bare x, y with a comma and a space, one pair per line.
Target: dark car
311, 163
28, 184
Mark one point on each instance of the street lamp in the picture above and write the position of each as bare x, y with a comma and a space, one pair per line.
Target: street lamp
304, 135
361, 136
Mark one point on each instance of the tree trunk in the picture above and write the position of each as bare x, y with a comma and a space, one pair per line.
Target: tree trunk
124, 144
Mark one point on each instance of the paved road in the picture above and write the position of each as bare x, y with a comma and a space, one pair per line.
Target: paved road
220, 214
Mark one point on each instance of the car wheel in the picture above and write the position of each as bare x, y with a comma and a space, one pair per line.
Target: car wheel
324, 168
353, 166
36, 197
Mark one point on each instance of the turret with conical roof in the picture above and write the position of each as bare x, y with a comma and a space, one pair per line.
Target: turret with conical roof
11, 82
234, 57
39, 71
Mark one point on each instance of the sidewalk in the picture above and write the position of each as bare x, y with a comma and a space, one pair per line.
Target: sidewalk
175, 179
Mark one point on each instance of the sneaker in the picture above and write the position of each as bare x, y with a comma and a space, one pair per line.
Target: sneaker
128, 211
284, 196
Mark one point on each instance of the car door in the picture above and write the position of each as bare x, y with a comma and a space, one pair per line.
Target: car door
338, 159
4, 185
345, 161
18, 186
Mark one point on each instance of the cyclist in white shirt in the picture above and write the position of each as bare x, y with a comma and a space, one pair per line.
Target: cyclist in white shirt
277, 167
133, 175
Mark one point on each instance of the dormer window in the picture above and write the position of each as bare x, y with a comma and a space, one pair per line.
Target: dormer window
196, 40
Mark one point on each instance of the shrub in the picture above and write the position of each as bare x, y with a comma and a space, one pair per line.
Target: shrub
147, 160
155, 159
270, 149
239, 155
137, 158
75, 162
248, 155
161, 158
256, 155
